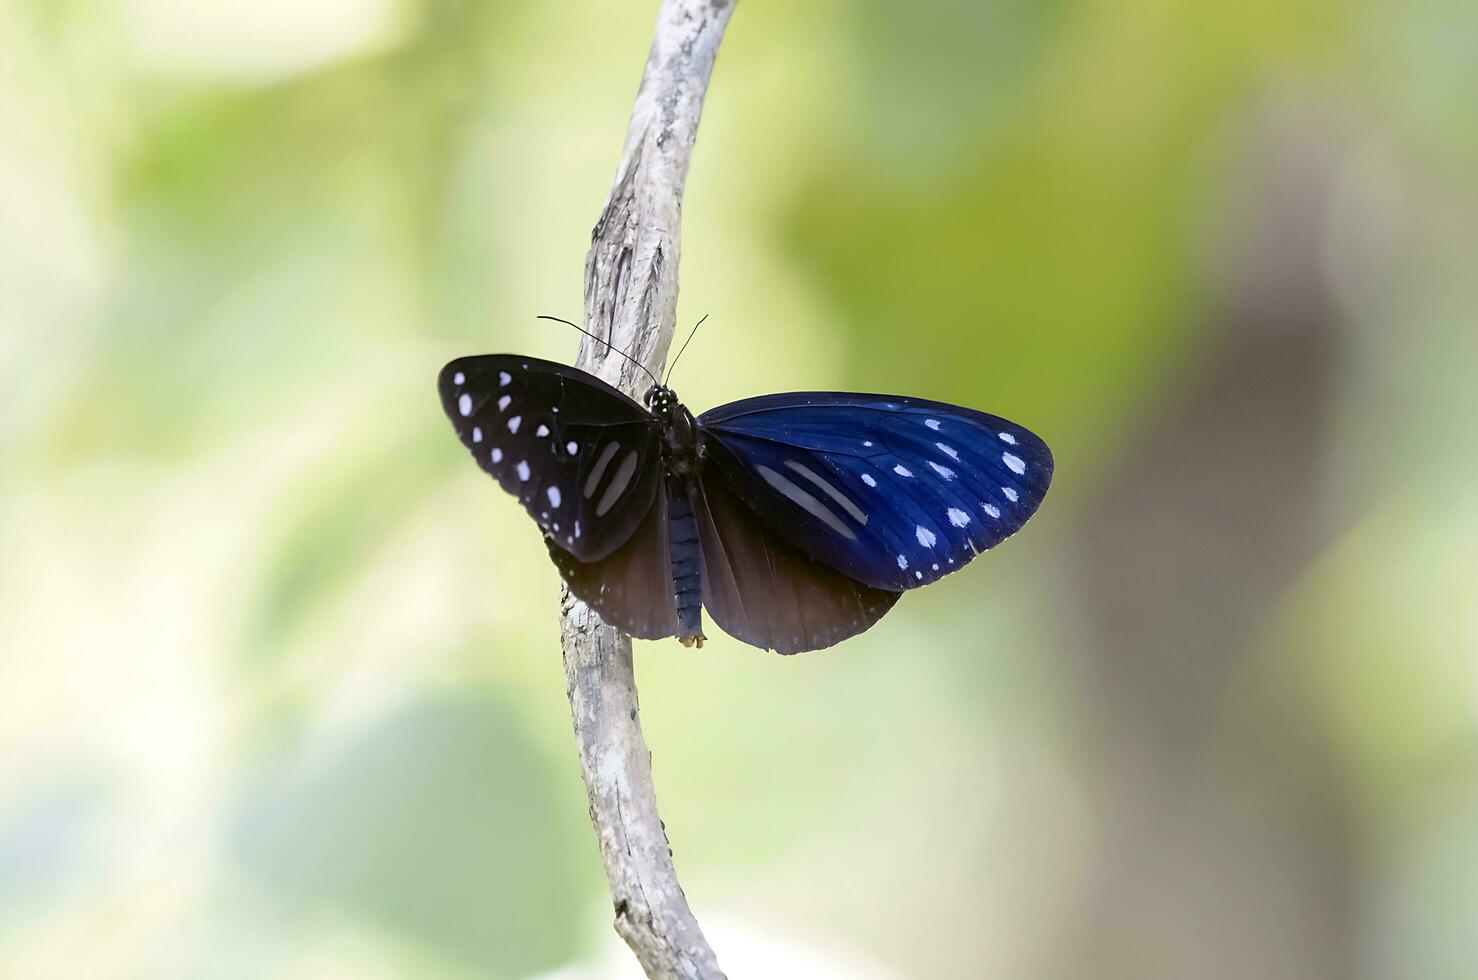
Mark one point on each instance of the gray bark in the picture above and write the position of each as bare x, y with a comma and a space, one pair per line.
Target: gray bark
631, 302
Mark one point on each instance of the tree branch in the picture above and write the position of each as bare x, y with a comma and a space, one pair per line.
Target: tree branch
631, 301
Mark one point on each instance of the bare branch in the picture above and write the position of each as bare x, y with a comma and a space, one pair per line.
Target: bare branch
631, 301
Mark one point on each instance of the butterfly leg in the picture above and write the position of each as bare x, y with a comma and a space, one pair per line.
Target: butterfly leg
687, 582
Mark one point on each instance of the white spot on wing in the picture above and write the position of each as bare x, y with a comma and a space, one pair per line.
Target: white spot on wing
593, 480
867, 443
943, 471
903, 562
523, 470
1013, 463
497, 455
459, 378
619, 482
949, 451
477, 433
958, 517
932, 423
464, 404
1008, 438
503, 378
918, 575
926, 537
991, 510
830, 491
572, 448
1011, 494
867, 478
577, 529
514, 423
503, 403
553, 494
806, 502
902, 470
542, 430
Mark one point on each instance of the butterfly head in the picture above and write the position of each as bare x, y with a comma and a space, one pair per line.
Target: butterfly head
660, 400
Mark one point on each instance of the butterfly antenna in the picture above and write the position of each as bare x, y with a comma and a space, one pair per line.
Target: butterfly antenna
607, 343
683, 348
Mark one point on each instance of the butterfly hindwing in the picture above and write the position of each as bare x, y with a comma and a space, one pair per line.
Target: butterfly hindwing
580, 456
631, 588
894, 492
763, 591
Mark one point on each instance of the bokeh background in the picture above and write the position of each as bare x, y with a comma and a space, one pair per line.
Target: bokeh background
280, 691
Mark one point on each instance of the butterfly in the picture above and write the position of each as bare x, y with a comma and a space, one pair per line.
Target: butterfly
797, 520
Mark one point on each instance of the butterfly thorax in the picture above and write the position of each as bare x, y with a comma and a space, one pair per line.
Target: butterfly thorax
682, 448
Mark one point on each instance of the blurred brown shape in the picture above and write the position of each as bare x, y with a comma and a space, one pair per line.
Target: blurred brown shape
1215, 868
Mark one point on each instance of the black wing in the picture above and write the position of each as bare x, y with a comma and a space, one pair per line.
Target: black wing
896, 492
763, 591
581, 457
631, 588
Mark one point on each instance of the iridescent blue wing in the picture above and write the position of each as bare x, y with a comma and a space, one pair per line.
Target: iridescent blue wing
582, 458
894, 492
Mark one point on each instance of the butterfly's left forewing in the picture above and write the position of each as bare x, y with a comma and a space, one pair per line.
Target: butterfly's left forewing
895, 492
581, 457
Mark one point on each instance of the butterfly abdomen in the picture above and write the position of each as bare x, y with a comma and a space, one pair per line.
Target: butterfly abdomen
687, 581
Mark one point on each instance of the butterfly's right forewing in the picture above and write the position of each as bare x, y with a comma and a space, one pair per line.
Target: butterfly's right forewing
581, 457
896, 492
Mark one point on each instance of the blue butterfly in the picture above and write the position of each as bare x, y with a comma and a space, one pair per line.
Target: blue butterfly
796, 520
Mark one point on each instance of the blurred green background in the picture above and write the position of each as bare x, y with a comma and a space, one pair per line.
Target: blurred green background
280, 691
